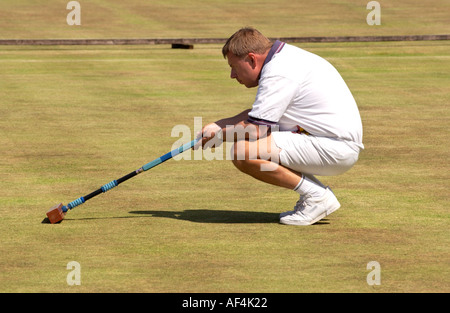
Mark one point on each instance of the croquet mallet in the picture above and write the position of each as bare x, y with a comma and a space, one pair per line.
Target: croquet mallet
57, 213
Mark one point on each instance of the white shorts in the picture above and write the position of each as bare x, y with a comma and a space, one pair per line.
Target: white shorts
315, 155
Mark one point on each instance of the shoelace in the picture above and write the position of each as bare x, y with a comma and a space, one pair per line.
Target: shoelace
301, 203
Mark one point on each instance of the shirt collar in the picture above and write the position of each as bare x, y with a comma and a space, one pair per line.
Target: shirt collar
277, 46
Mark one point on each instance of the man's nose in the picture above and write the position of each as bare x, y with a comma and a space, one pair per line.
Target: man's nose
233, 74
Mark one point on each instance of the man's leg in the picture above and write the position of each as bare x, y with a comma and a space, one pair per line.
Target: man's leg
260, 159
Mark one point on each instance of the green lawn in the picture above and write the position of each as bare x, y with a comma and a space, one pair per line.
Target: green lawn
74, 118
24, 19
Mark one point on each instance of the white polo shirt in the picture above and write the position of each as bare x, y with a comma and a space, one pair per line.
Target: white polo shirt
297, 87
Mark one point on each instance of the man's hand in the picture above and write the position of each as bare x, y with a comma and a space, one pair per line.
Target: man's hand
208, 136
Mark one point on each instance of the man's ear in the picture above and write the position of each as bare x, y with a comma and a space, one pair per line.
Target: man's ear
252, 59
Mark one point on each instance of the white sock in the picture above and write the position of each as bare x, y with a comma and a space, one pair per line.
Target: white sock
310, 186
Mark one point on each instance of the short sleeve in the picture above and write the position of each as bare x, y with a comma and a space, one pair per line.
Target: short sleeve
274, 95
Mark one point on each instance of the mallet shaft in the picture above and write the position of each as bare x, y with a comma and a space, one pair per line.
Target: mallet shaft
116, 182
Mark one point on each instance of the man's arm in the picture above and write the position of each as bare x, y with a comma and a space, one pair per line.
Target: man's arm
231, 129
223, 123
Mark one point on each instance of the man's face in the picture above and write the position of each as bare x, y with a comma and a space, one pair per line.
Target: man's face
244, 69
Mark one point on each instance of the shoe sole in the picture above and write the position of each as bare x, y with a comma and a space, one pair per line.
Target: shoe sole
318, 218
324, 214
285, 214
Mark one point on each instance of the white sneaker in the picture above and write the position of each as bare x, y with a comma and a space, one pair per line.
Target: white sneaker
309, 210
299, 202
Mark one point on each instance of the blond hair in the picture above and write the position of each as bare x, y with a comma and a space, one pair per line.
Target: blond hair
246, 40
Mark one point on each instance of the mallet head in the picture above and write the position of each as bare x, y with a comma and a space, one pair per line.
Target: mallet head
56, 213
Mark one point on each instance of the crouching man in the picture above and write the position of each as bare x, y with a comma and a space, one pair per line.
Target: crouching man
304, 116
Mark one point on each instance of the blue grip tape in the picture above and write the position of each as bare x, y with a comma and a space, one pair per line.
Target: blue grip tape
166, 156
169, 155
75, 203
109, 186
151, 164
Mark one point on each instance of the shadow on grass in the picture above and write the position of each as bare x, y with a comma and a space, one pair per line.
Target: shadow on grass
215, 216
203, 216
218, 216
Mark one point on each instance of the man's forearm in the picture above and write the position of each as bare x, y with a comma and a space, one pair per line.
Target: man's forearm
237, 128
223, 123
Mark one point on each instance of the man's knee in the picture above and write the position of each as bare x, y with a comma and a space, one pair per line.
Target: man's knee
245, 153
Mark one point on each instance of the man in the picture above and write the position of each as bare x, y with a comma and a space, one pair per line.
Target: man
304, 122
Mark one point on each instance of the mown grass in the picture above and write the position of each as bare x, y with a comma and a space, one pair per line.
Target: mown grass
206, 18
74, 118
